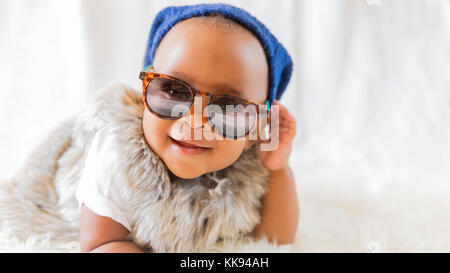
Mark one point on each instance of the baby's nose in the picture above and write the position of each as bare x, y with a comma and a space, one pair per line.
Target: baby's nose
194, 117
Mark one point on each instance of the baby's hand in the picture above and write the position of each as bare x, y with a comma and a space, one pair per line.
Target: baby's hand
278, 159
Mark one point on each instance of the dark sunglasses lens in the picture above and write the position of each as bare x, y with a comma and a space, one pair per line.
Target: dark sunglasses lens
231, 117
169, 98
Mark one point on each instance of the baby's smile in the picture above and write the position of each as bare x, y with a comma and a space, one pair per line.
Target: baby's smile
188, 147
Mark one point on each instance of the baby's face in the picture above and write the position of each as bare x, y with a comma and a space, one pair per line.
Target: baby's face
215, 60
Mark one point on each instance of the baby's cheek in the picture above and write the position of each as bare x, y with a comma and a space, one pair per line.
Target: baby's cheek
155, 131
226, 152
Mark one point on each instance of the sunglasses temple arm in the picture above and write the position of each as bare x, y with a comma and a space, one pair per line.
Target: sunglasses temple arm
145, 69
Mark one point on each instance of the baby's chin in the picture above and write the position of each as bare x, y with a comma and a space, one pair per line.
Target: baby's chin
194, 167
185, 172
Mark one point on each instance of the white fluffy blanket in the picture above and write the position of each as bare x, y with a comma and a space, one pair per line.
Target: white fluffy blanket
336, 216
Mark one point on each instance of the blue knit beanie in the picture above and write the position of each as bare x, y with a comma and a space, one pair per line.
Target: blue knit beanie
280, 63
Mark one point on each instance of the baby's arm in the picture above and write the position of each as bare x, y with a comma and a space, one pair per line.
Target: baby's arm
102, 234
280, 208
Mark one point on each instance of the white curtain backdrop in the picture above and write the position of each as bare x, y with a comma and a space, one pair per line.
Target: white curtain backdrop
370, 91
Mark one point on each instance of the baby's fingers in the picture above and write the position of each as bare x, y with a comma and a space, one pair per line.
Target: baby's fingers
285, 117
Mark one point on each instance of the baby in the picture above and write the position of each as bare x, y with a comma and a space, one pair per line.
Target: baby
228, 63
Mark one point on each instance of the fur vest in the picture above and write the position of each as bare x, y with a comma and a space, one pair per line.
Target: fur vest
169, 214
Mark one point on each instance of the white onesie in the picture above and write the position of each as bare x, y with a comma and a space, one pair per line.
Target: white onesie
98, 188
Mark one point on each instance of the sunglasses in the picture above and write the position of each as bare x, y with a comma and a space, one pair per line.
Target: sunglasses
170, 98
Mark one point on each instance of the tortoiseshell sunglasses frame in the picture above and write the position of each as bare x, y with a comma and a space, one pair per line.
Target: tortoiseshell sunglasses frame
147, 76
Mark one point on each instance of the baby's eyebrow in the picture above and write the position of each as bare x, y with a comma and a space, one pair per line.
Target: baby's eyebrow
219, 87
